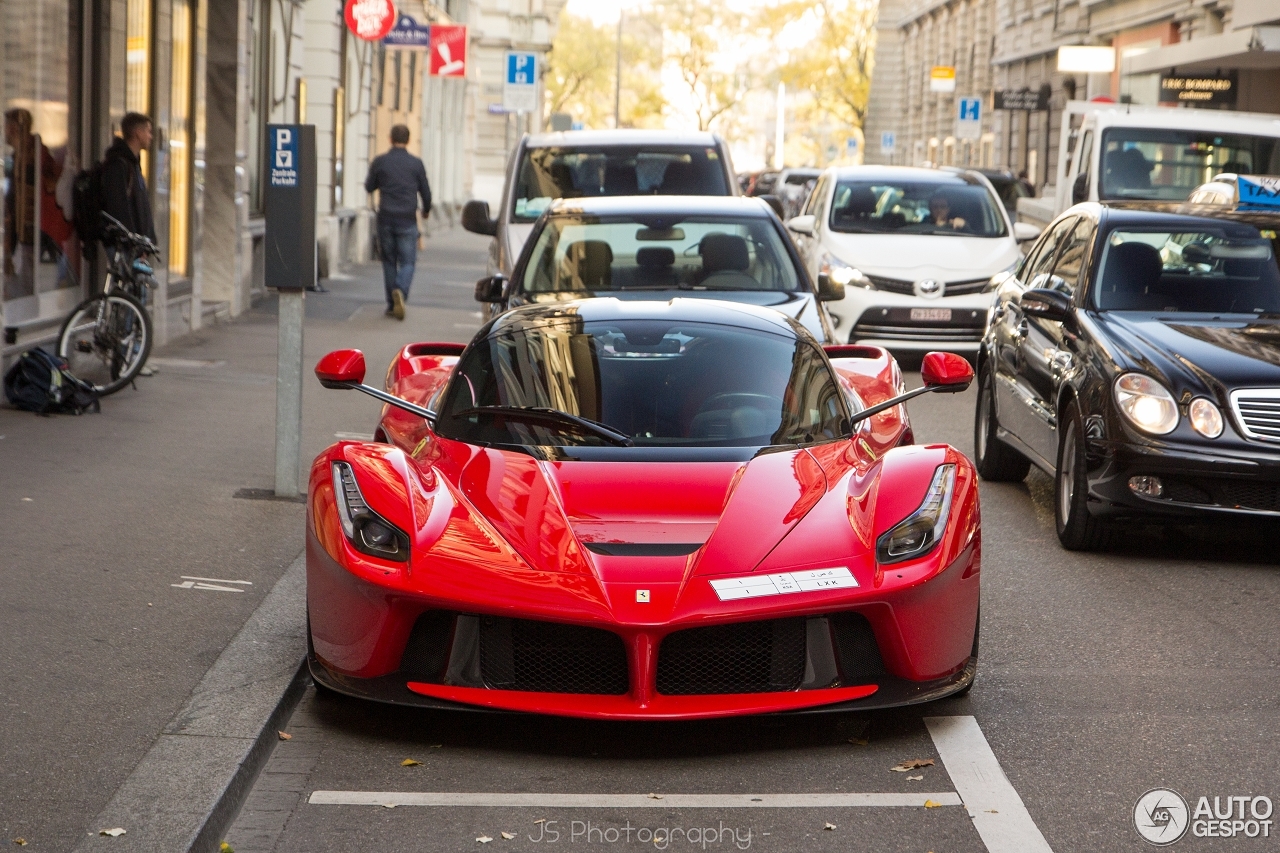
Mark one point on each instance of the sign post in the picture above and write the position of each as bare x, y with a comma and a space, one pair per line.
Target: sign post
290, 268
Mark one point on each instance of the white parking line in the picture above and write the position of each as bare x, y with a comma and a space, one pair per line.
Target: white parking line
632, 801
995, 807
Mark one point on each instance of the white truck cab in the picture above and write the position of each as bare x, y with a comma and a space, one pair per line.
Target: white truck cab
1122, 152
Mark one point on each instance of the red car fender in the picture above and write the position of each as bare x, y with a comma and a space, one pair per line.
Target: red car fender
872, 375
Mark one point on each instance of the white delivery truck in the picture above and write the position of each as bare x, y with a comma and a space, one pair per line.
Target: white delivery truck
1122, 152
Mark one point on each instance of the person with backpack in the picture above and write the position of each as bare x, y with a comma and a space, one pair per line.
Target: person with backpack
124, 189
400, 179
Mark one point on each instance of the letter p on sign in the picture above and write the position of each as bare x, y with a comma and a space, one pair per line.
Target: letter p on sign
284, 148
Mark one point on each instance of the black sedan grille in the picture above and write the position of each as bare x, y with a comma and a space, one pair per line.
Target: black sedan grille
1259, 413
747, 657
1236, 494
547, 657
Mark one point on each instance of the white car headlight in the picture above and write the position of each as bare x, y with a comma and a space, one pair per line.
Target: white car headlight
1146, 403
841, 273
1205, 417
916, 534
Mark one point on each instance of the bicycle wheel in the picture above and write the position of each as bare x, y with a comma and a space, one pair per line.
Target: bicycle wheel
106, 340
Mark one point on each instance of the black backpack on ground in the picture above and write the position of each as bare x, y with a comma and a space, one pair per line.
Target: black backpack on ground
40, 382
87, 204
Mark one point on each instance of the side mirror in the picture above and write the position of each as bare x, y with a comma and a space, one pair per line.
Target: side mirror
1080, 189
774, 202
802, 224
1024, 231
491, 289
344, 369
341, 369
828, 290
946, 372
1046, 304
476, 218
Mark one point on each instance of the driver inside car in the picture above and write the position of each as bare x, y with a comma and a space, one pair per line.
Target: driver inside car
940, 213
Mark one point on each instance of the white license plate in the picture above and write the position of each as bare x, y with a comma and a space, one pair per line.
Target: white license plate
931, 315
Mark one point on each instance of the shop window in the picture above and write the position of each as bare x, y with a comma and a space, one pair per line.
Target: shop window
137, 78
180, 139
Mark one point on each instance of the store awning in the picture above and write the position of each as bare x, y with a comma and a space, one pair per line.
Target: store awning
1252, 47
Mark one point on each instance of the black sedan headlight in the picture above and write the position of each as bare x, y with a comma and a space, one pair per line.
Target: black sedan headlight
1146, 403
367, 531
918, 533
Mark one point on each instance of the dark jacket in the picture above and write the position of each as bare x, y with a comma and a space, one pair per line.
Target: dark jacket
124, 190
401, 179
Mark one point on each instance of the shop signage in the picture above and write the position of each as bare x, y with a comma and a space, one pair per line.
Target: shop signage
942, 78
408, 33
1216, 89
1259, 191
370, 20
1022, 99
448, 50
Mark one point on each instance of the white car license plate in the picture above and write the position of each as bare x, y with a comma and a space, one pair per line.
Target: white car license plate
931, 315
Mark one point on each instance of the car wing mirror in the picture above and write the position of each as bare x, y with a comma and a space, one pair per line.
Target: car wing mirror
491, 289
944, 372
476, 218
344, 370
802, 224
1024, 232
1046, 304
828, 290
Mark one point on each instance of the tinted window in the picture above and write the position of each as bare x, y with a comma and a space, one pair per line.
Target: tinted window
663, 383
546, 174
1040, 261
1231, 270
915, 207
1066, 269
587, 253
1168, 164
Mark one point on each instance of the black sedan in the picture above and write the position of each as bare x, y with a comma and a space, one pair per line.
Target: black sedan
1135, 356
660, 247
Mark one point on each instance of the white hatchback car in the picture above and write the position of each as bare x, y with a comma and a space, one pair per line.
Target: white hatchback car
915, 250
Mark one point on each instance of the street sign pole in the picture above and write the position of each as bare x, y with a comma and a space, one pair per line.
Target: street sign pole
291, 269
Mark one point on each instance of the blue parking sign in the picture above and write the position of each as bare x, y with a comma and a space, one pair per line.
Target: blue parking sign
970, 109
522, 69
283, 140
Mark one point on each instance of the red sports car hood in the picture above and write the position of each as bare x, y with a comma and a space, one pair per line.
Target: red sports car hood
727, 515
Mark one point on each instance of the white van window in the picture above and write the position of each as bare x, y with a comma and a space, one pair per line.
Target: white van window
546, 174
1167, 165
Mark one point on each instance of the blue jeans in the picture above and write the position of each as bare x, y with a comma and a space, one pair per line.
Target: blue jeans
398, 243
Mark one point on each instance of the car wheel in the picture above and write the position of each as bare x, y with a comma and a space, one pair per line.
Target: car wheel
1077, 529
995, 460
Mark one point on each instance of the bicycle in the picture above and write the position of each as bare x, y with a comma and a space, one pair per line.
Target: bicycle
107, 338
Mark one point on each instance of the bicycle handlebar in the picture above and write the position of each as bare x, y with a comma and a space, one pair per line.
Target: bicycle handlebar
117, 229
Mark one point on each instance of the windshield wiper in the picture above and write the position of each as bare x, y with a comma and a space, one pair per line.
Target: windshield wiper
545, 415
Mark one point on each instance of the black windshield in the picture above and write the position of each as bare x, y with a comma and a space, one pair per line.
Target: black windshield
546, 174
1166, 164
660, 383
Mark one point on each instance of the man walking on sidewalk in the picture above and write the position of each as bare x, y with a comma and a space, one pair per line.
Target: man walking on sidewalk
400, 178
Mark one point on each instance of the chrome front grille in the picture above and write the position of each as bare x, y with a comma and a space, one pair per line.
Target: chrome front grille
918, 332
953, 288
1258, 412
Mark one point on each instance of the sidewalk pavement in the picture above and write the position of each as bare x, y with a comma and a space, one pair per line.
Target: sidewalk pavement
108, 517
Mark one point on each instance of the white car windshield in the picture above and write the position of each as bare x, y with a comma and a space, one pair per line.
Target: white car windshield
953, 208
603, 253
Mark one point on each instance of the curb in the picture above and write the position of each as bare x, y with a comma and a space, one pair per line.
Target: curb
185, 792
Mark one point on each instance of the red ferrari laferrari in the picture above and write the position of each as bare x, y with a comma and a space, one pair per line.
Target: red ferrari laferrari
643, 510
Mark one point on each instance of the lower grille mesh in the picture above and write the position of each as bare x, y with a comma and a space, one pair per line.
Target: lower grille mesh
747, 657
547, 657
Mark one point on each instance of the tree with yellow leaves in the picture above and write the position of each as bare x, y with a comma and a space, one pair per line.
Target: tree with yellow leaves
581, 72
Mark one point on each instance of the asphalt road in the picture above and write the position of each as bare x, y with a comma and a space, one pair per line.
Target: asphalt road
104, 515
1102, 676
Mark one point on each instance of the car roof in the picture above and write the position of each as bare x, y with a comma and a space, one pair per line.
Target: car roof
899, 173
605, 138
1136, 214
649, 205
608, 308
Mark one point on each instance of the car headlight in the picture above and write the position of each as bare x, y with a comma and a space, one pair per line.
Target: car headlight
1146, 403
1205, 417
916, 534
367, 531
841, 273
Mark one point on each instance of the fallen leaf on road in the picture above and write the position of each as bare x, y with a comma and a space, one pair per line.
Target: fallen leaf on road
114, 833
930, 804
29, 500
915, 778
435, 746
484, 839
21, 842
508, 835
388, 805
858, 741
285, 736
912, 764
991, 811
829, 826
226, 848
409, 762
655, 796
541, 820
